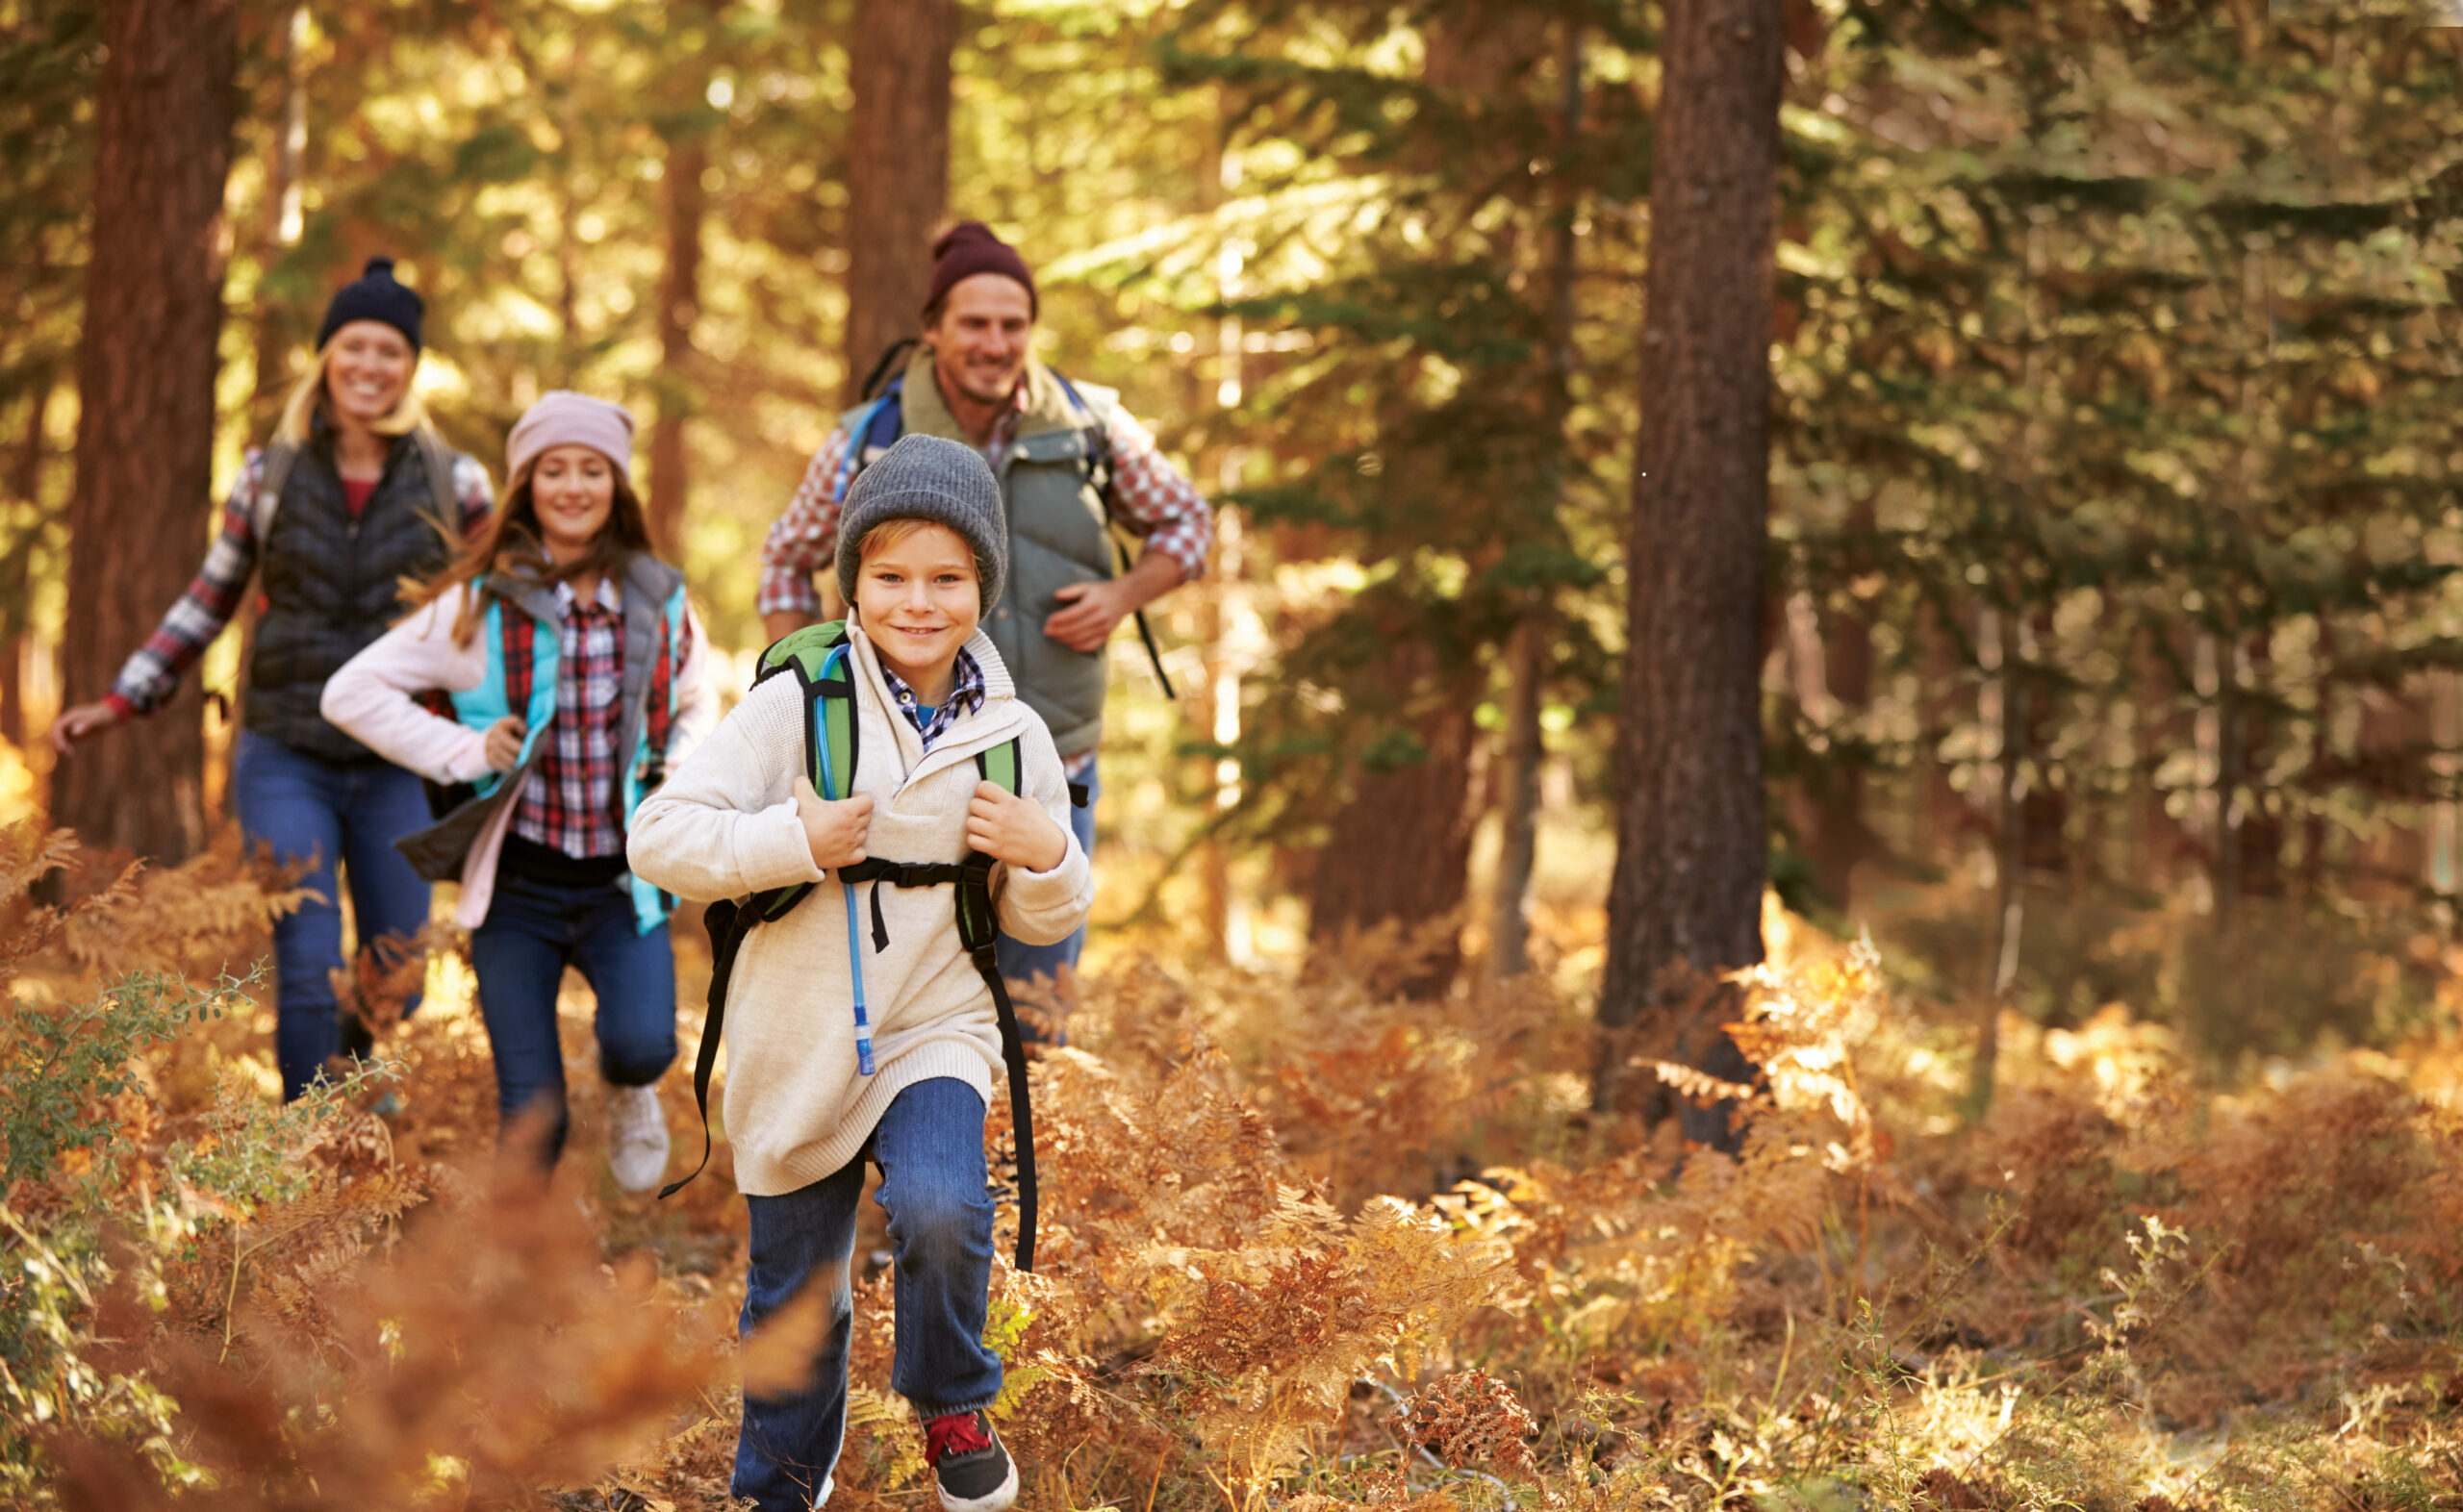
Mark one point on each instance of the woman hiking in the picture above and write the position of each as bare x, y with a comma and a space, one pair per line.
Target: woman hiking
355, 492
575, 676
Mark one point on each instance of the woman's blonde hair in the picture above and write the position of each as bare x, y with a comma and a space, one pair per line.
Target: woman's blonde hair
309, 394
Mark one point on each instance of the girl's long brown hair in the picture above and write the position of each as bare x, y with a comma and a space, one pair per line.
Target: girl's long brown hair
510, 541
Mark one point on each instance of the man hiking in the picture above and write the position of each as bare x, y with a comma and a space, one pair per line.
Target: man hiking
1073, 465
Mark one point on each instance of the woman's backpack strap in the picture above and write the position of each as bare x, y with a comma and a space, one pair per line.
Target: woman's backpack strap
273, 472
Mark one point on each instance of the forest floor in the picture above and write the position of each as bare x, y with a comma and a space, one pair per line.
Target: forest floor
1306, 1244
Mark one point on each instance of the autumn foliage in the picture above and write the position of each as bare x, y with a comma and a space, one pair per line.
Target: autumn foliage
1306, 1245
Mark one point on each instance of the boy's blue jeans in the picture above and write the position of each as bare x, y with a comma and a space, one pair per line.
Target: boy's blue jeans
1021, 962
929, 1147
534, 929
326, 813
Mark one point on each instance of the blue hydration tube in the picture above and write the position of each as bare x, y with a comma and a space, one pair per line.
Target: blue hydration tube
854, 937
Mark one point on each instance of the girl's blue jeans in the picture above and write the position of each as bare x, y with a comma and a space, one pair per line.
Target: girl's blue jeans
328, 813
929, 1148
534, 929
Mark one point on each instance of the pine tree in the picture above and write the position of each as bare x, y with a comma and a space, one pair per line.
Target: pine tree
146, 372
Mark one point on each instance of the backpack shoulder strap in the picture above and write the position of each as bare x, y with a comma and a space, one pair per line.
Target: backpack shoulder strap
978, 934
1102, 473
872, 428
445, 506
998, 765
274, 473
816, 658
1100, 469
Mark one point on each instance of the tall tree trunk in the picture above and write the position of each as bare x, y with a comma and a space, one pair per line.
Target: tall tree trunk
679, 300
146, 415
283, 223
25, 484
1526, 653
2009, 847
1518, 849
898, 170
1691, 847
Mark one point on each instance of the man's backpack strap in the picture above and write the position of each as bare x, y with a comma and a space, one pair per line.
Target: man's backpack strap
1103, 471
870, 429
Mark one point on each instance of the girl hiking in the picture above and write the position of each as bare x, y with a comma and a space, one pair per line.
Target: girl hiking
355, 492
562, 673
879, 1040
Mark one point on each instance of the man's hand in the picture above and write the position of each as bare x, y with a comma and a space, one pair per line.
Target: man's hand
504, 742
1091, 612
836, 831
1009, 828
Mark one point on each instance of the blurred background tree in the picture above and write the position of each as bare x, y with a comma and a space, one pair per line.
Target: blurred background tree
2106, 650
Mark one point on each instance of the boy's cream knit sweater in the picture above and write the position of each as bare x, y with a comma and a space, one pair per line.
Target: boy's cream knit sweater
725, 824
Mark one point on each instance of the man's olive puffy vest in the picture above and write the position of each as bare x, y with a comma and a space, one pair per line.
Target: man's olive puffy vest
332, 585
1057, 536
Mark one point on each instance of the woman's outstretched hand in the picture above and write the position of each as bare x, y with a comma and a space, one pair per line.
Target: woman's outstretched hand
86, 719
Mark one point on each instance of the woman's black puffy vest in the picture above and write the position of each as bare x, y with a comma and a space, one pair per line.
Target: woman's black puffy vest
332, 585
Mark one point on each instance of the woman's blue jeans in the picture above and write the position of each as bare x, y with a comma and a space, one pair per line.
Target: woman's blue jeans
534, 929
328, 813
929, 1147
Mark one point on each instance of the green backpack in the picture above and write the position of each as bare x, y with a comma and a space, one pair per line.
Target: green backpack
816, 656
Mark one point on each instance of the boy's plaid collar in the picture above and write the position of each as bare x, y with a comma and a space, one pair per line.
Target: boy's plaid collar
966, 696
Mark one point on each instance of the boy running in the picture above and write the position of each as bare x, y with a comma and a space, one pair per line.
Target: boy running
922, 548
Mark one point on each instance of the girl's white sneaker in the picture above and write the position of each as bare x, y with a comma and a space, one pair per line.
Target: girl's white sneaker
636, 1137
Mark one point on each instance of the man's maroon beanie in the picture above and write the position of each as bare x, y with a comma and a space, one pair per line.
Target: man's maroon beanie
969, 249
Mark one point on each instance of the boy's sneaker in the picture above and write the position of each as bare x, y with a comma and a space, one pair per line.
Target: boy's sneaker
636, 1137
973, 1470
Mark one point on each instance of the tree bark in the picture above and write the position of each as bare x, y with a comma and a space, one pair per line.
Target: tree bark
25, 484
679, 300
898, 171
1398, 852
283, 223
1690, 848
1525, 745
145, 422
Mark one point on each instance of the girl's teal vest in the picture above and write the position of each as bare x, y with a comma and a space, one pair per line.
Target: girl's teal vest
653, 595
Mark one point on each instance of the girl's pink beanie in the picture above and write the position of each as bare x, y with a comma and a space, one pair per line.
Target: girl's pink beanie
565, 418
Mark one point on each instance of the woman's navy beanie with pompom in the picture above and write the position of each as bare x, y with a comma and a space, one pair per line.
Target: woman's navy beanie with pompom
374, 296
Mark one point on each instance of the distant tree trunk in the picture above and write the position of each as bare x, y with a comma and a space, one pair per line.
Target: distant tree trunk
898, 171
1526, 653
25, 484
282, 224
2009, 851
1399, 850
1690, 848
145, 417
1518, 850
679, 300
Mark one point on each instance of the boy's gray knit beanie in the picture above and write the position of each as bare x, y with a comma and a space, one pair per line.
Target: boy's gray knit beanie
928, 477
